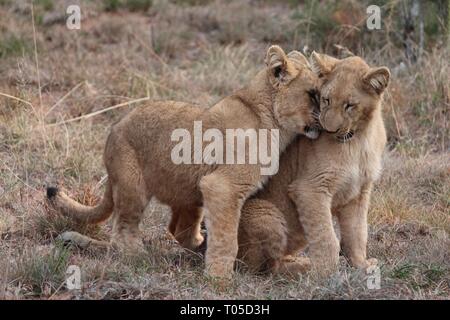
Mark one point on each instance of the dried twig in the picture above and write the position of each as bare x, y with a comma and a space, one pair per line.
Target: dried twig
64, 97
90, 115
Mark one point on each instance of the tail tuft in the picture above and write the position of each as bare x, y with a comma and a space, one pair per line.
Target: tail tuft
52, 192
77, 211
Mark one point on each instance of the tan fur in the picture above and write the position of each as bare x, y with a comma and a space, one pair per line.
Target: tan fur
325, 177
138, 161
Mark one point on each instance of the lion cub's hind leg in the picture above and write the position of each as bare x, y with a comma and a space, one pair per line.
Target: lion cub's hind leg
128, 212
263, 241
130, 199
262, 235
291, 267
185, 226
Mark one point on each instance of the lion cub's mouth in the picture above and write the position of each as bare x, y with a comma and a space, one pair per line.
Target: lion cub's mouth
345, 137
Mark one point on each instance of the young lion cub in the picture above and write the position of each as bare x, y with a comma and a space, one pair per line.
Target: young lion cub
138, 160
332, 175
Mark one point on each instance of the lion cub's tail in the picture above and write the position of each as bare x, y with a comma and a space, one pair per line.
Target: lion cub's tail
79, 212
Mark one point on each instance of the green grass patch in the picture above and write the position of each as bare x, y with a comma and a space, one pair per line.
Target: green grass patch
46, 5
132, 5
319, 16
43, 274
403, 272
13, 45
420, 276
191, 2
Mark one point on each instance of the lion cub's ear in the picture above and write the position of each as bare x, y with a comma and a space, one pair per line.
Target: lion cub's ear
299, 58
377, 79
281, 70
322, 64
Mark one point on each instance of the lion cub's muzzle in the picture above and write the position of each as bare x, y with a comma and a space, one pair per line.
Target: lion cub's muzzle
345, 137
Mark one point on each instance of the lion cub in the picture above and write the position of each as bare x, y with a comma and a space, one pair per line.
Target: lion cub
138, 160
332, 175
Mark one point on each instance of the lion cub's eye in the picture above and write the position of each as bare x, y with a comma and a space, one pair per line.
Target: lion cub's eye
326, 101
349, 107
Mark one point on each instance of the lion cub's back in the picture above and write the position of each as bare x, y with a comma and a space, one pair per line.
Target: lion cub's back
155, 122
163, 115
148, 131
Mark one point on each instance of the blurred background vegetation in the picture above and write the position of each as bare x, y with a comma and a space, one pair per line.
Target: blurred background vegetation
413, 42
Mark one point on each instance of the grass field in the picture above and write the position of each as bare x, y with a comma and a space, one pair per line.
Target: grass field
55, 82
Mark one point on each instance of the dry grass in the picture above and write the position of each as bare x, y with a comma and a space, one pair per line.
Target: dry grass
197, 51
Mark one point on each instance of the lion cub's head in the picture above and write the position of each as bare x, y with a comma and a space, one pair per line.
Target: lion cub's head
295, 97
350, 93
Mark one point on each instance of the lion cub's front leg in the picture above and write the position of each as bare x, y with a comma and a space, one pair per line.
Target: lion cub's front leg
224, 192
314, 207
353, 224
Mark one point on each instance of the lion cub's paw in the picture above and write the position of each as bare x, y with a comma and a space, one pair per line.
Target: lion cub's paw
365, 264
195, 243
220, 273
220, 284
131, 247
219, 280
216, 271
292, 268
371, 262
